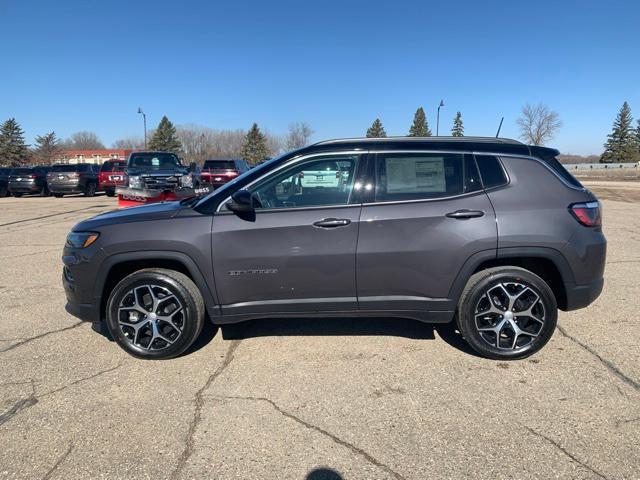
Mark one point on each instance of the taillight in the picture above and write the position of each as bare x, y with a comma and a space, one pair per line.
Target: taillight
231, 174
73, 175
588, 214
31, 177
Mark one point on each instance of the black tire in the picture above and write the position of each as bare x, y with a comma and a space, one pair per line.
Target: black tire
486, 293
17, 194
4, 192
58, 195
110, 192
90, 190
143, 342
44, 191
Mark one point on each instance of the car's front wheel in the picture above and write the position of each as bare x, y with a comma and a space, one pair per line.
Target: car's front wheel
507, 313
155, 313
90, 190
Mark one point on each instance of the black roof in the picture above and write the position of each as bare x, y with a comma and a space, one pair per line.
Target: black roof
475, 144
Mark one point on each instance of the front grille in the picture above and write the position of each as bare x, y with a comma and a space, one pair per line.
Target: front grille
167, 182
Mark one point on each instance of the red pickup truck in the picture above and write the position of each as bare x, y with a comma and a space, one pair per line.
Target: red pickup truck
112, 175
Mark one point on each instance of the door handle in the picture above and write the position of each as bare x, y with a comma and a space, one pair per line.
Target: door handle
332, 222
463, 214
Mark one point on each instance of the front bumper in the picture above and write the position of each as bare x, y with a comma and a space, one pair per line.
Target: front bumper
78, 277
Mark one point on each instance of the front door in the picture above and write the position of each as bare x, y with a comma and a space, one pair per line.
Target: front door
297, 253
429, 214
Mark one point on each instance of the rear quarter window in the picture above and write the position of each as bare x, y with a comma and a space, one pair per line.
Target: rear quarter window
557, 167
491, 171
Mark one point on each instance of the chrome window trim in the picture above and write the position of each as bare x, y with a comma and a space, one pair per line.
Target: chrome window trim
289, 163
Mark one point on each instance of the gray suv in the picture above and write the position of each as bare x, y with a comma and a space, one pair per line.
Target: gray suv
489, 233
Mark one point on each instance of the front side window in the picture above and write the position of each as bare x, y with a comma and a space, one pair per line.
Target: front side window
422, 176
315, 182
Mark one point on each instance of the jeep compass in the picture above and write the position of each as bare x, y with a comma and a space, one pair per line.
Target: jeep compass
488, 233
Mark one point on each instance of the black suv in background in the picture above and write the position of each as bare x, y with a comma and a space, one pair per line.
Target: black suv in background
4, 181
219, 172
489, 233
29, 180
79, 178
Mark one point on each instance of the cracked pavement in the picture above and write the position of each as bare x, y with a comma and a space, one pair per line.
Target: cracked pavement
366, 398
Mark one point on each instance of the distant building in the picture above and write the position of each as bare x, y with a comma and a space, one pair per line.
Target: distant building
92, 156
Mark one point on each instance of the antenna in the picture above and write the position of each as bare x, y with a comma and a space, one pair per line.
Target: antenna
499, 127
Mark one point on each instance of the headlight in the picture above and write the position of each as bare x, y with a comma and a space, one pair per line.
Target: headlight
81, 239
135, 182
187, 180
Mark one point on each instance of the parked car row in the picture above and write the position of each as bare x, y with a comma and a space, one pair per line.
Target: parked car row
87, 179
58, 180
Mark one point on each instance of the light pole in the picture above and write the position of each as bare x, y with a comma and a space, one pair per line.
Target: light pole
144, 119
438, 120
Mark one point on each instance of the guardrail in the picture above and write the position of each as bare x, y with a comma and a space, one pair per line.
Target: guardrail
598, 166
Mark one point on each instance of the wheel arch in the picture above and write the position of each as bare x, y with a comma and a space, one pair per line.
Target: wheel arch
548, 263
118, 266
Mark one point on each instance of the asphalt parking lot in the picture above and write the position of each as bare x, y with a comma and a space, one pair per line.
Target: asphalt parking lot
296, 399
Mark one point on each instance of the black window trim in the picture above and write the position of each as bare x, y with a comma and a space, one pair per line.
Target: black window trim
500, 164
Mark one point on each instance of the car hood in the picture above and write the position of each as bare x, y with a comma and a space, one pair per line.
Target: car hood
153, 211
160, 172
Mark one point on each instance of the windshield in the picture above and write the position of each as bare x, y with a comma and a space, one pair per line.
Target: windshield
155, 161
113, 166
219, 165
64, 168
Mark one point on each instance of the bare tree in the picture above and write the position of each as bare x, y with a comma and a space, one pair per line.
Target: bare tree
132, 142
200, 143
82, 141
298, 135
538, 124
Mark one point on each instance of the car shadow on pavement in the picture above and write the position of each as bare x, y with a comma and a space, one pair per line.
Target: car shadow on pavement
323, 474
373, 326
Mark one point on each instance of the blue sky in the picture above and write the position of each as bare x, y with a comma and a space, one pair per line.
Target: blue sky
88, 65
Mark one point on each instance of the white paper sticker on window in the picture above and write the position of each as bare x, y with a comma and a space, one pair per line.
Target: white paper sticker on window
415, 175
155, 161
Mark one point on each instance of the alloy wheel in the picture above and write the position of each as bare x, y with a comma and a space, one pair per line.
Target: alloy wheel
151, 317
510, 315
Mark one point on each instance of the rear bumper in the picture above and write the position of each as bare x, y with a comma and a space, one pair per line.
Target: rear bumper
24, 188
65, 188
580, 296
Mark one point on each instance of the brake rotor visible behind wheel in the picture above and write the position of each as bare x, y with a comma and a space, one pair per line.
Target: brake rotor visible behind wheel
155, 313
507, 313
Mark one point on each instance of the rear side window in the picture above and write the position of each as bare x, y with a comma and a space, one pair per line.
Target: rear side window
417, 176
491, 171
22, 171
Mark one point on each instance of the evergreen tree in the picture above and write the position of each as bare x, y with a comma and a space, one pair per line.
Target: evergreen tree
165, 138
255, 148
621, 145
46, 148
638, 137
13, 151
420, 127
376, 130
458, 128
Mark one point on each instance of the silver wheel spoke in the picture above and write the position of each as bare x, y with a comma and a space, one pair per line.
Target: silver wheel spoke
503, 324
138, 318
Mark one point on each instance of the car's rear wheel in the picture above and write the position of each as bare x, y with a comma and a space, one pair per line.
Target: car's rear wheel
90, 190
110, 192
17, 194
44, 191
155, 313
507, 313
4, 192
58, 195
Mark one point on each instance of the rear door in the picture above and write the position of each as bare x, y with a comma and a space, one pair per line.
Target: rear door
297, 253
428, 214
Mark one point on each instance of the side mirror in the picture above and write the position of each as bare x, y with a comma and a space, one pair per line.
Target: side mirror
241, 202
